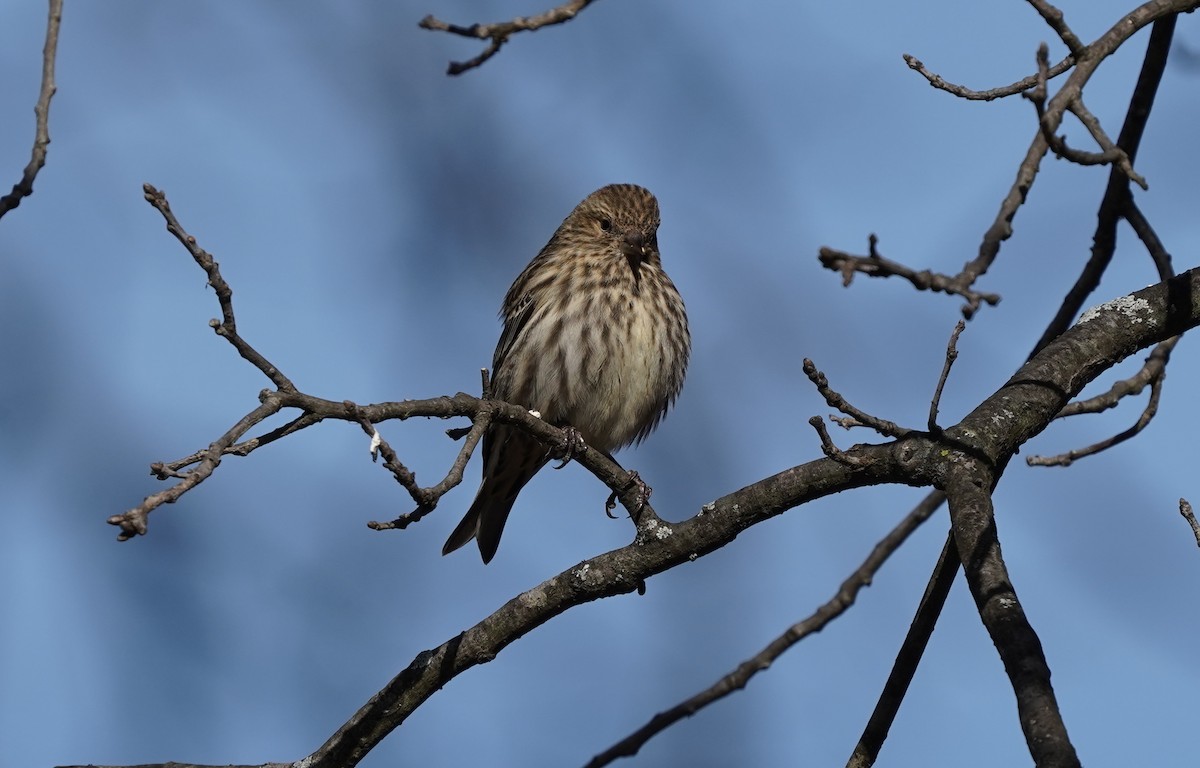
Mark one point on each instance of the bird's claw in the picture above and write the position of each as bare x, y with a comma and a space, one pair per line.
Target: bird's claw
643, 496
572, 445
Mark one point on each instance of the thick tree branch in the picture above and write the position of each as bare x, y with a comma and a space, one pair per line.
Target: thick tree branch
41, 139
967, 490
1118, 202
910, 654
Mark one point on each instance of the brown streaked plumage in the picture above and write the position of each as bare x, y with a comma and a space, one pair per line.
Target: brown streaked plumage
595, 336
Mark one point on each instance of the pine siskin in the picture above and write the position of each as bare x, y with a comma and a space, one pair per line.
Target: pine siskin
595, 337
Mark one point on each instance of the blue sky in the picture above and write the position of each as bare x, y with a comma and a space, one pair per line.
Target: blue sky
370, 212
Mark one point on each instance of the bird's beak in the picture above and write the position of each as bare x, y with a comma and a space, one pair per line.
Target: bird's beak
633, 245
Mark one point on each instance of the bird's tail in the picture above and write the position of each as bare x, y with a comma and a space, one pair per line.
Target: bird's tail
509, 463
483, 522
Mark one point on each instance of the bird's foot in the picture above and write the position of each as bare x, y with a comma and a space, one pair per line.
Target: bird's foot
571, 446
643, 491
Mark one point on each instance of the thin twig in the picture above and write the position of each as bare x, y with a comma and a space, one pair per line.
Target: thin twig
1068, 458
1152, 374
1098, 50
951, 356
916, 640
1118, 202
41, 112
1110, 151
227, 326
499, 32
317, 409
1054, 17
1152, 370
991, 94
133, 522
835, 400
391, 462
828, 447
1047, 121
427, 498
874, 265
163, 470
1154, 246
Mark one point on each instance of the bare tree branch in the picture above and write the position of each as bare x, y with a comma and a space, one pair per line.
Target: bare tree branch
827, 446
427, 498
737, 679
991, 94
41, 140
1117, 195
1154, 247
227, 326
192, 765
1084, 68
874, 265
499, 32
1111, 154
965, 460
1068, 458
1185, 509
834, 400
951, 356
1054, 18
164, 470
996, 598
983, 441
1118, 201
133, 522
1151, 374
911, 650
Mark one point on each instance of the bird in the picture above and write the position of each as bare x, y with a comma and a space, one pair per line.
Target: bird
595, 338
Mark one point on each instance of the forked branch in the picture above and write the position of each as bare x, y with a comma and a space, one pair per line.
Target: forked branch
498, 33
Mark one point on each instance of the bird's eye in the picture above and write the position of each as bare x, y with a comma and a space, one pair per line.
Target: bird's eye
606, 225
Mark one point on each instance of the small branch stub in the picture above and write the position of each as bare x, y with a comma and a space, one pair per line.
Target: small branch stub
1185, 509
